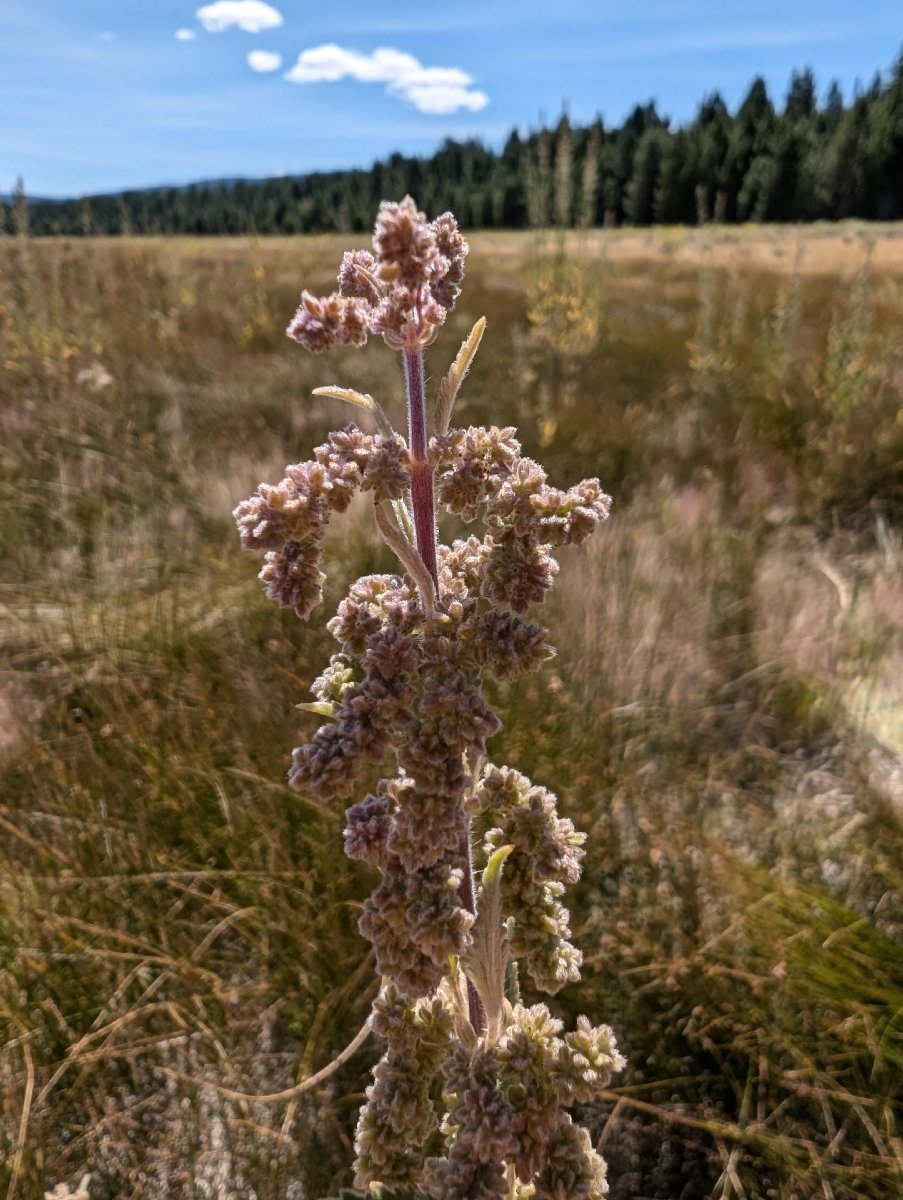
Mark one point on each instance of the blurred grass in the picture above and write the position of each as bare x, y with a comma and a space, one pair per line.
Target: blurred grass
723, 717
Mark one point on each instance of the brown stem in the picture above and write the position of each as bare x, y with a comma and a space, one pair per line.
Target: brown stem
423, 502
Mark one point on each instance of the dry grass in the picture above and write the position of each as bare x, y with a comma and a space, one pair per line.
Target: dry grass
177, 930
837, 249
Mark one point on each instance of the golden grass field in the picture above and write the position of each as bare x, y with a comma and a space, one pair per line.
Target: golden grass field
178, 944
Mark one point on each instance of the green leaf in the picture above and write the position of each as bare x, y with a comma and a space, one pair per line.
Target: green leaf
321, 708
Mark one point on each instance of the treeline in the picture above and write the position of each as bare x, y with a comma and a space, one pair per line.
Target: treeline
805, 160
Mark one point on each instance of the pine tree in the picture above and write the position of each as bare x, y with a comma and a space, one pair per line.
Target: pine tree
589, 189
564, 169
640, 194
21, 216
674, 202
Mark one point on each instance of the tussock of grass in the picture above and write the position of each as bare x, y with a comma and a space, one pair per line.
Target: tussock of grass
178, 930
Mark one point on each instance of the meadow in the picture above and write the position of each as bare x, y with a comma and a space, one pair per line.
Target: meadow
178, 942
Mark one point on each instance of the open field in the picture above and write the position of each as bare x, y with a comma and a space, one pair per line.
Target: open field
178, 944
838, 249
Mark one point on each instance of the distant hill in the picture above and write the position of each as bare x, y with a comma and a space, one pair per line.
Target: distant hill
804, 161
9, 198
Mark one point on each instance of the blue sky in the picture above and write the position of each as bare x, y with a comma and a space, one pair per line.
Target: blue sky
102, 95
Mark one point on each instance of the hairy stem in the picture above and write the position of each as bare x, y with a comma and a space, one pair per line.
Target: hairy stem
423, 502
422, 498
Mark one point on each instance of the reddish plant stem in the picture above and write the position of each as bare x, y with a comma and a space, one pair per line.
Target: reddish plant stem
423, 502
422, 498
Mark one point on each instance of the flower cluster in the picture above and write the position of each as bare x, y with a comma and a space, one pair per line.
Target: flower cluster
399, 1115
403, 291
481, 473
470, 1096
547, 859
505, 1103
288, 519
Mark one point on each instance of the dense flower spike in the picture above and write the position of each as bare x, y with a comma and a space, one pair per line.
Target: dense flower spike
573, 1170
404, 291
367, 831
468, 1101
415, 923
399, 1115
550, 853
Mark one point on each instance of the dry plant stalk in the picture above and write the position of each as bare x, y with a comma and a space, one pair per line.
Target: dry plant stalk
469, 1100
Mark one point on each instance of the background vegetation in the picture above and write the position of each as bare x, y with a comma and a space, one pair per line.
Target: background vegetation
177, 929
807, 160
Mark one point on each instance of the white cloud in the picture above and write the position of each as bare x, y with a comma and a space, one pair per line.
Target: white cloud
438, 98
330, 63
430, 89
264, 60
252, 16
185, 35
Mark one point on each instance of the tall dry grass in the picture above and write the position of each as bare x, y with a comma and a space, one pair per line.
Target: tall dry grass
178, 945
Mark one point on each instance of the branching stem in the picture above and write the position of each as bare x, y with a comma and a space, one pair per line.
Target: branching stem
423, 503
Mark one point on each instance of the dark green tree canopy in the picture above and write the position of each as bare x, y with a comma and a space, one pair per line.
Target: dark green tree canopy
813, 160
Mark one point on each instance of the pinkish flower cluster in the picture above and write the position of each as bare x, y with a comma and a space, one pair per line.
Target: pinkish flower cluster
469, 1098
481, 473
288, 519
403, 291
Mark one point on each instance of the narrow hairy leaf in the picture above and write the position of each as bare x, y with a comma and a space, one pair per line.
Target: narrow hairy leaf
450, 385
487, 960
359, 400
320, 708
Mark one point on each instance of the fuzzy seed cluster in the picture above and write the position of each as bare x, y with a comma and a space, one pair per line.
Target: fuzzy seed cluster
403, 291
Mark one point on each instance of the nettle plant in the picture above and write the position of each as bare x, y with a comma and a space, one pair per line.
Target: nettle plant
471, 1095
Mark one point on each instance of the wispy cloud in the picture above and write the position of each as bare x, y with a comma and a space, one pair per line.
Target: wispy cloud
185, 35
430, 89
252, 16
264, 60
